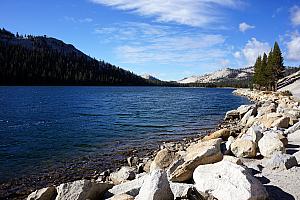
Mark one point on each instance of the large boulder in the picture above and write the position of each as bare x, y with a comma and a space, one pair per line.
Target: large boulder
277, 134
48, 193
163, 159
130, 187
268, 119
243, 148
269, 145
225, 180
156, 187
255, 132
198, 154
266, 108
282, 122
81, 190
232, 114
222, 133
281, 162
122, 175
247, 116
243, 109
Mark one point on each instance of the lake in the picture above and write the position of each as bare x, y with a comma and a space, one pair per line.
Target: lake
49, 128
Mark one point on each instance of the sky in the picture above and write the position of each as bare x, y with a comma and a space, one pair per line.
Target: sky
169, 39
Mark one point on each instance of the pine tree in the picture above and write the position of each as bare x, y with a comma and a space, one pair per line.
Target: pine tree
269, 69
263, 73
277, 61
269, 76
257, 73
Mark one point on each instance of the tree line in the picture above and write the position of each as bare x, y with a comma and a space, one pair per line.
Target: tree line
42, 64
268, 69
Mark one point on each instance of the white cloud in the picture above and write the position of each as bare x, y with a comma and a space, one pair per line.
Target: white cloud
145, 43
86, 20
244, 27
253, 49
197, 13
293, 48
295, 15
74, 20
237, 54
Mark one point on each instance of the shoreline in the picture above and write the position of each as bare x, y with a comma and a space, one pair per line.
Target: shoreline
68, 171
174, 145
62, 174
229, 144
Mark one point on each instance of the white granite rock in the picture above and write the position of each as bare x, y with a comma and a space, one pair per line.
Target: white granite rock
225, 180
124, 174
81, 190
48, 193
269, 145
280, 162
156, 187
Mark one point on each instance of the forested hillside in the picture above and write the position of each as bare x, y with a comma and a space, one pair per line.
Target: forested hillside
30, 60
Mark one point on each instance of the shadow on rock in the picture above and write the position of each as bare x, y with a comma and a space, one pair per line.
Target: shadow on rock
291, 151
292, 146
277, 193
263, 180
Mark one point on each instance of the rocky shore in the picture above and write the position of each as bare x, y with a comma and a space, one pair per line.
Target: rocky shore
254, 155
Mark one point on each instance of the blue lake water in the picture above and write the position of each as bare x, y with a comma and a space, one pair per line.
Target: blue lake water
42, 127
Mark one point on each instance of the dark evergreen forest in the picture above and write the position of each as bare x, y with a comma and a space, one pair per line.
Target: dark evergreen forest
30, 60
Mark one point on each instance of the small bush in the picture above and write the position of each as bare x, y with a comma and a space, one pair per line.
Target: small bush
286, 93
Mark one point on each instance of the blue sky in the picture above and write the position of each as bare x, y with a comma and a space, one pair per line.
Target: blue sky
168, 39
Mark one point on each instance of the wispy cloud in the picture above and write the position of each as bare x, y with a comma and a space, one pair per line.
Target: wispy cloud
86, 20
295, 15
277, 11
75, 20
253, 49
145, 43
293, 47
244, 27
197, 13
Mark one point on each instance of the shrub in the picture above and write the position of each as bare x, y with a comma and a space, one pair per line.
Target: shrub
286, 93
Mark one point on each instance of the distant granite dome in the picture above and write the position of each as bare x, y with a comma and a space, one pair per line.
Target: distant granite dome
149, 77
220, 75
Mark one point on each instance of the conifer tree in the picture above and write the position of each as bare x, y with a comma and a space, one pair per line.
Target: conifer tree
263, 73
277, 62
269, 72
257, 73
269, 69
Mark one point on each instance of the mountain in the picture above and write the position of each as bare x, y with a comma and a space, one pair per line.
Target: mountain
149, 77
40, 60
38, 43
222, 75
155, 81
